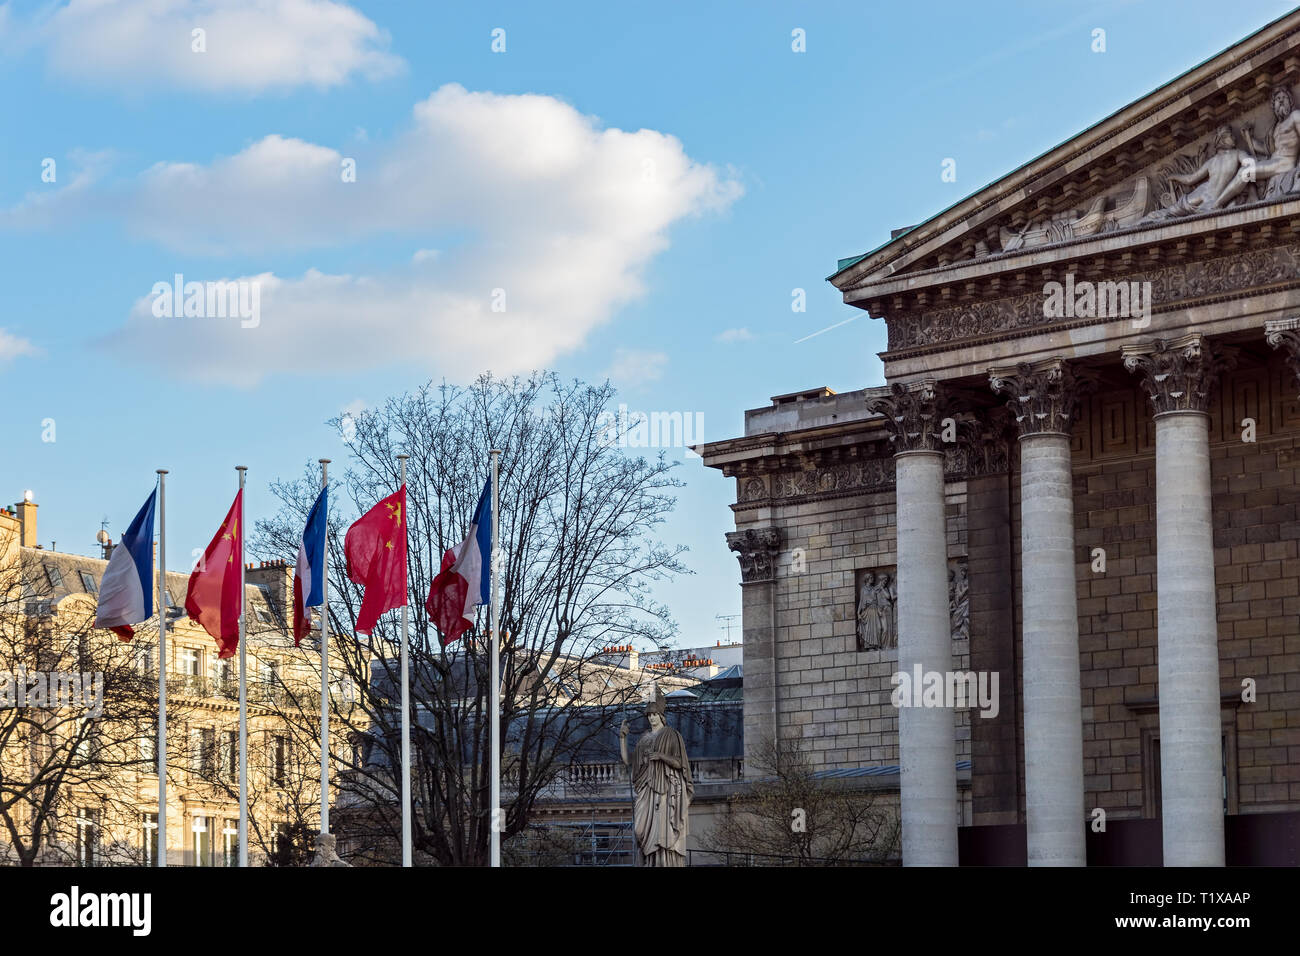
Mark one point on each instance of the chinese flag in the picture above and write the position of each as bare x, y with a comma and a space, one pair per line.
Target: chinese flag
213, 597
375, 548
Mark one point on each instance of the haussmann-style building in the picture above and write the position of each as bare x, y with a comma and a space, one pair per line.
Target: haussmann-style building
1049, 570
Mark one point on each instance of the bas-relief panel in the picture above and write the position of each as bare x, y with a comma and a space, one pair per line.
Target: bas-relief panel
877, 605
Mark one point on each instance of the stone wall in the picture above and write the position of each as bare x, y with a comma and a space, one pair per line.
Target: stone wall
831, 695
1257, 574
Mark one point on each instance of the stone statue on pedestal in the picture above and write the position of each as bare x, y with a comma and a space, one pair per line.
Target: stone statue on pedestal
662, 785
326, 854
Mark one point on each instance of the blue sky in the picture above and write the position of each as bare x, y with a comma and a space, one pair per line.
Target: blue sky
764, 166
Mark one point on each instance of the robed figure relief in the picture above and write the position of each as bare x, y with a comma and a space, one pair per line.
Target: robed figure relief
877, 595
661, 782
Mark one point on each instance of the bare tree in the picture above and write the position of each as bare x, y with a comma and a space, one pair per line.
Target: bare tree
66, 754
577, 524
791, 817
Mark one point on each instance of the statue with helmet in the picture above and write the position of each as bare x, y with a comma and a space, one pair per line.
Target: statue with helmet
661, 782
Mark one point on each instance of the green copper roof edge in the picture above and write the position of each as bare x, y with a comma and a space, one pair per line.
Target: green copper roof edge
848, 263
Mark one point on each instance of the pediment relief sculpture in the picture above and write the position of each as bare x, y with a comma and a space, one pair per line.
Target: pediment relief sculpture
1235, 165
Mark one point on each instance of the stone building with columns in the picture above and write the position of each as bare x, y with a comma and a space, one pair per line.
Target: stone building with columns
1078, 485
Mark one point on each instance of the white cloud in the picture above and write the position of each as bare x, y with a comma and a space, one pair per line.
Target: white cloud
250, 45
11, 346
544, 220
731, 336
633, 367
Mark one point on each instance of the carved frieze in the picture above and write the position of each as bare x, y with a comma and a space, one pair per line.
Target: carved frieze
1221, 275
756, 549
1177, 374
981, 449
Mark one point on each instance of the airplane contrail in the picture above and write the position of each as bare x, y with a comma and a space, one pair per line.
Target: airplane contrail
827, 329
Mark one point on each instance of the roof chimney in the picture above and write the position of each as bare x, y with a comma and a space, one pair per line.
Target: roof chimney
27, 521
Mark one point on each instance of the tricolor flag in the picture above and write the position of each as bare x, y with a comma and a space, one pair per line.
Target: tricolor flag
465, 581
309, 575
213, 598
375, 547
126, 592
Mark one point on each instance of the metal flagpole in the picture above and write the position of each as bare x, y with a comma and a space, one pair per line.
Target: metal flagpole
162, 667
406, 718
494, 705
325, 664
243, 687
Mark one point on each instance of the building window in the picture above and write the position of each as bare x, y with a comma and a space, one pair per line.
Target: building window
88, 582
202, 749
223, 676
54, 576
86, 748
148, 745
230, 843
191, 661
1152, 783
229, 757
200, 842
144, 659
149, 838
279, 760
87, 836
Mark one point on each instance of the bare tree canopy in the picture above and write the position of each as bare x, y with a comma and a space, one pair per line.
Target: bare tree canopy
578, 518
792, 817
78, 713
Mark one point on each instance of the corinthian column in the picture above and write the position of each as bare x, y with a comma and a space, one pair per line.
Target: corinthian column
1043, 397
926, 738
1285, 334
1179, 377
757, 550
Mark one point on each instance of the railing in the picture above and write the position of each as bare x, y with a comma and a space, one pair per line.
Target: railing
259, 692
739, 858
595, 774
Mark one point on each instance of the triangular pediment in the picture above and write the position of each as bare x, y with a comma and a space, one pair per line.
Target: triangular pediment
1176, 163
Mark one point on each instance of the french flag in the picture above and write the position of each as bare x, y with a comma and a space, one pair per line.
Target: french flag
126, 592
309, 575
465, 580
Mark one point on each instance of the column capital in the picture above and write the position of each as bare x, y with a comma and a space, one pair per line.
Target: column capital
986, 440
1285, 334
1043, 396
756, 549
1179, 374
912, 415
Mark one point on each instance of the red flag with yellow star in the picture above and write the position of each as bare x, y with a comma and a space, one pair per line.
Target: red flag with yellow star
213, 597
375, 547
